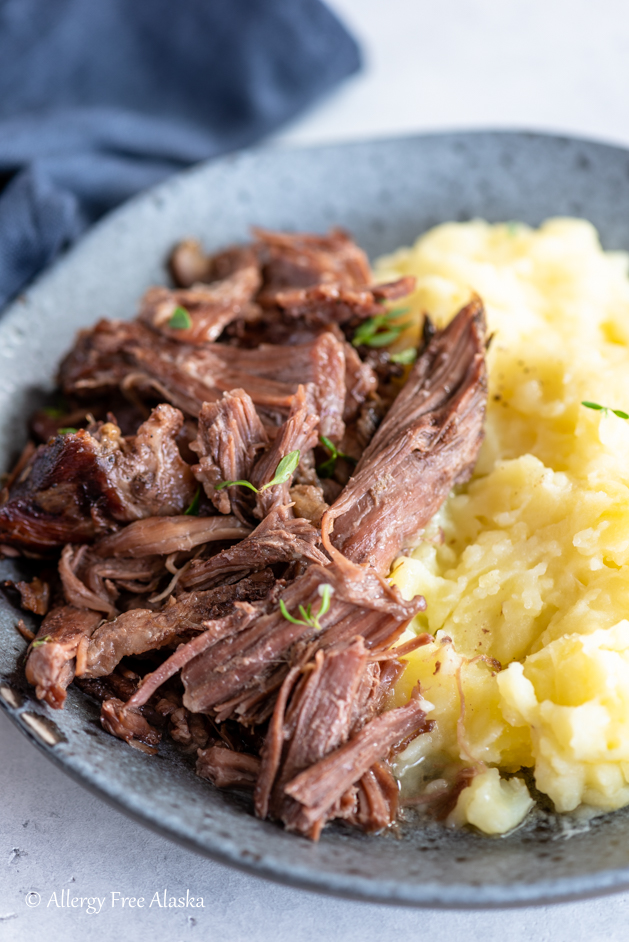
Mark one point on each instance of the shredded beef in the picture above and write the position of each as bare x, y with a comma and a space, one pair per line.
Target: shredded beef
299, 260
128, 724
210, 308
131, 356
142, 630
427, 443
228, 769
279, 538
51, 662
316, 790
189, 264
34, 595
272, 604
162, 536
78, 484
229, 440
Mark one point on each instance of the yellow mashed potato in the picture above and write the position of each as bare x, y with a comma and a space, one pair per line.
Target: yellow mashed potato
525, 569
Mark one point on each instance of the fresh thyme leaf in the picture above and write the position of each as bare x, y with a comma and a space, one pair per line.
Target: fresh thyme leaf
307, 618
54, 412
328, 467
367, 329
404, 356
40, 641
288, 616
284, 470
599, 408
219, 487
193, 509
325, 591
180, 319
66, 431
327, 443
386, 337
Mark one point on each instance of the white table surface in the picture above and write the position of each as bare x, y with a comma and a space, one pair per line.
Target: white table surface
558, 65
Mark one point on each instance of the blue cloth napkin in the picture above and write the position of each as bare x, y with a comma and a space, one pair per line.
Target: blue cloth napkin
102, 98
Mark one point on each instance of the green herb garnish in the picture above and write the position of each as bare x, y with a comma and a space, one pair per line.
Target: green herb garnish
180, 319
67, 431
283, 472
369, 333
54, 412
404, 356
307, 618
40, 641
598, 408
193, 509
326, 470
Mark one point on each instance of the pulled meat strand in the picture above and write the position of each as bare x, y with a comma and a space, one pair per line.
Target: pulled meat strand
332, 303
129, 725
34, 595
132, 356
50, 665
140, 630
79, 484
229, 438
210, 308
163, 536
361, 603
298, 433
226, 768
428, 442
279, 538
317, 789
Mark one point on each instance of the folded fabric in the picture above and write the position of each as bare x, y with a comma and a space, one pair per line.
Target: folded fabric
102, 98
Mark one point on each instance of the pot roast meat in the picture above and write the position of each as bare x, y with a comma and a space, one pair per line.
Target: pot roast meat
377, 795
332, 303
229, 439
318, 677
279, 538
165, 535
51, 662
428, 442
188, 263
298, 433
360, 383
318, 720
133, 357
78, 484
301, 260
35, 595
226, 768
317, 789
140, 630
90, 581
210, 307
224, 677
319, 363
129, 725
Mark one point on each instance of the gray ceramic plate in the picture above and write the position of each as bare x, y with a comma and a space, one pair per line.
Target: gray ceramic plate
385, 192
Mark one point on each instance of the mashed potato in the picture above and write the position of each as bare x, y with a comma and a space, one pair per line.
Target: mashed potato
525, 570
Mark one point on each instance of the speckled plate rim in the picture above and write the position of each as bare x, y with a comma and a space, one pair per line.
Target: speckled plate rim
459, 896
372, 890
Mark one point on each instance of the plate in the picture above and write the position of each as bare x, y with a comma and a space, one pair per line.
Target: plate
385, 192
